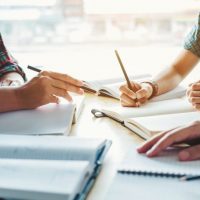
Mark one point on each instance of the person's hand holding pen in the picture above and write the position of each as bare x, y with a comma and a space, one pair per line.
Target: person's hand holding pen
134, 94
137, 96
46, 87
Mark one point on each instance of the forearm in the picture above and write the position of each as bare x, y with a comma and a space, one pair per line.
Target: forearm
172, 76
9, 100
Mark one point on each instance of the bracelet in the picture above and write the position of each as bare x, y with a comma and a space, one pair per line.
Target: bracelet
154, 86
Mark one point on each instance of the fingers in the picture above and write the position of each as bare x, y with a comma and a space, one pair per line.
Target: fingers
148, 144
135, 96
127, 101
142, 95
180, 134
66, 86
191, 153
63, 77
61, 93
193, 94
128, 92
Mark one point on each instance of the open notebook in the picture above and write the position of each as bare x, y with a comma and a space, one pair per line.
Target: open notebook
139, 177
49, 168
165, 165
170, 106
146, 127
45, 120
110, 88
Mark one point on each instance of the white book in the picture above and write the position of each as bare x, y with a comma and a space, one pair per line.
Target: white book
147, 126
45, 120
48, 168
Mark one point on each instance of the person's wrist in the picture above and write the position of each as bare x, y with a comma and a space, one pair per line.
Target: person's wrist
20, 98
154, 87
149, 89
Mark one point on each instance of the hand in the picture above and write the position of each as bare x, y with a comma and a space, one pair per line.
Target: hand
193, 94
46, 88
137, 96
189, 134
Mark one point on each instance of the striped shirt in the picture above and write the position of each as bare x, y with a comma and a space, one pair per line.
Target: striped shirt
192, 40
8, 63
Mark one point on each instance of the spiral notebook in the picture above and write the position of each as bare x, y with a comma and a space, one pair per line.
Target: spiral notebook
165, 165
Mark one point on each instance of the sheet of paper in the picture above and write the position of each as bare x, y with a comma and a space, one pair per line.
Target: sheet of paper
47, 180
169, 121
48, 119
167, 162
131, 187
178, 92
178, 105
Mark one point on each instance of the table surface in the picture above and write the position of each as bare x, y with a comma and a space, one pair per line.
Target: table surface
122, 140
100, 63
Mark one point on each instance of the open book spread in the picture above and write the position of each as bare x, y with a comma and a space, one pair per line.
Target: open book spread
45, 120
66, 166
143, 178
177, 105
146, 127
110, 87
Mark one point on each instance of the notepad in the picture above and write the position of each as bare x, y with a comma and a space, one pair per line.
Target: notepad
49, 167
165, 165
45, 120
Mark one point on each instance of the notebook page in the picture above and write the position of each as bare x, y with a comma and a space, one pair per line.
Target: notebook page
48, 119
166, 163
128, 187
169, 121
47, 180
50, 148
177, 92
113, 88
178, 105
98, 84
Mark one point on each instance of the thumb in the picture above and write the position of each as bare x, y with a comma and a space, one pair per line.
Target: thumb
191, 153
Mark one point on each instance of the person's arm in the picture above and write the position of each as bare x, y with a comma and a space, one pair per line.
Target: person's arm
42, 89
170, 77
166, 80
188, 134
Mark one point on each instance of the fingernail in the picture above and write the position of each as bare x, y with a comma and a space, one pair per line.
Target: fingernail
138, 104
81, 83
81, 91
184, 155
139, 149
149, 153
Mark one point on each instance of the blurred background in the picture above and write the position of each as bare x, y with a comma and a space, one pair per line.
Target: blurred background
62, 25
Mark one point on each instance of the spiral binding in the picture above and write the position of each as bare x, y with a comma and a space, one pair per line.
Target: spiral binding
150, 173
